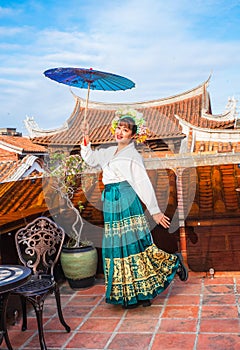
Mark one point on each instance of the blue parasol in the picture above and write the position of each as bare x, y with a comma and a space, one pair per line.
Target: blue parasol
89, 79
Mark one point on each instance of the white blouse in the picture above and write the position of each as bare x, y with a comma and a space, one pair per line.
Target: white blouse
125, 165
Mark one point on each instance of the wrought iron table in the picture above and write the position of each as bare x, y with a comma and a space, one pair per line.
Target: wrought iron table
11, 276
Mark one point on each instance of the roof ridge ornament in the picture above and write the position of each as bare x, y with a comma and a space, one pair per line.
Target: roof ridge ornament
233, 109
34, 130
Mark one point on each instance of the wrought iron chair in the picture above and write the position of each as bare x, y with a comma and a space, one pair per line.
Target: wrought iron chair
39, 245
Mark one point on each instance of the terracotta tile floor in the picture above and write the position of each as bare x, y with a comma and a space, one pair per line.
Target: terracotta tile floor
199, 314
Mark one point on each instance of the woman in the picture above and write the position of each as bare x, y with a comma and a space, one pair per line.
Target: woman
135, 269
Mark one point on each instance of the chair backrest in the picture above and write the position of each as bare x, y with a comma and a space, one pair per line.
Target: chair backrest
39, 245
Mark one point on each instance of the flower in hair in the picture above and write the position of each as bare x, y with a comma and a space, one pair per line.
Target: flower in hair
142, 131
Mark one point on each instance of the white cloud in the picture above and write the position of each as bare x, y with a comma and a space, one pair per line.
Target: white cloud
9, 32
6, 11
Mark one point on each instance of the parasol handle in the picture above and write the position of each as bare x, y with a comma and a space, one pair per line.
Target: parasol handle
86, 108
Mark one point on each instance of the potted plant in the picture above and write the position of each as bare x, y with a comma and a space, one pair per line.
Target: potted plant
78, 257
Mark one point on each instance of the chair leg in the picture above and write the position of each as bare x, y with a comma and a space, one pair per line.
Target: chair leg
59, 309
3, 325
24, 313
38, 307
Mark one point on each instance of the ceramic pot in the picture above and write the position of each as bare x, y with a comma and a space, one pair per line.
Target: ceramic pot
79, 265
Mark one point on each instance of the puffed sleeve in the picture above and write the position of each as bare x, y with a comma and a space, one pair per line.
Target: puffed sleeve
92, 158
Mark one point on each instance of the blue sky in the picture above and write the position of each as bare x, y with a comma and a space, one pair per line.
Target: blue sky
165, 47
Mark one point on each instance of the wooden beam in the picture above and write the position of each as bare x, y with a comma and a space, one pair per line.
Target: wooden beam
213, 222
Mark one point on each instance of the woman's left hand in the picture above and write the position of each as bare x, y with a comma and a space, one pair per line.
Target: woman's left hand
162, 219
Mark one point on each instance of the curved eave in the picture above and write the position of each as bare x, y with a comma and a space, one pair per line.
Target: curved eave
81, 103
159, 115
199, 90
221, 135
224, 117
209, 123
35, 131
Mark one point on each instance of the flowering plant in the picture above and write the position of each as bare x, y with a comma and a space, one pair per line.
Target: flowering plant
142, 131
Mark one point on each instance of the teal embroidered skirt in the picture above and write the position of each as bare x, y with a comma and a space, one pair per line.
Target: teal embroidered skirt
135, 268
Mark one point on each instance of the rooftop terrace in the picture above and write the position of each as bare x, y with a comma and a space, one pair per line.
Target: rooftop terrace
199, 314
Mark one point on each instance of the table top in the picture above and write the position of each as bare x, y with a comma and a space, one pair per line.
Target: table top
12, 276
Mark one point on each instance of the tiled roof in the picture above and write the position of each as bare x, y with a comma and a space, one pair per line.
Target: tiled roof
24, 199
20, 199
159, 114
6, 156
7, 169
163, 118
21, 144
28, 167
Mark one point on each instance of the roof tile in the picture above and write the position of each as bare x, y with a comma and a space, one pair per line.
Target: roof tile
22, 143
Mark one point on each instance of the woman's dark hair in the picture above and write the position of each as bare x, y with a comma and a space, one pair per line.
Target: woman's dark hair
129, 122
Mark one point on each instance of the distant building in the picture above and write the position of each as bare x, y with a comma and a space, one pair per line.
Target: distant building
10, 132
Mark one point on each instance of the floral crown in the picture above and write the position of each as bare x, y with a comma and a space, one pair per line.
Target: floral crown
142, 131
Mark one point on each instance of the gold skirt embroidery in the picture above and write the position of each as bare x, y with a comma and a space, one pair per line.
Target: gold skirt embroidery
146, 273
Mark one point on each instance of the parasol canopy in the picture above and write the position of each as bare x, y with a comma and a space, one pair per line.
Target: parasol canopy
89, 79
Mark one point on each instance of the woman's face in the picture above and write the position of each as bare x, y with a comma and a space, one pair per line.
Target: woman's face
123, 134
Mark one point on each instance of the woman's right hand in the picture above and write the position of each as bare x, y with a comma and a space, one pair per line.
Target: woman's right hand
84, 128
85, 131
